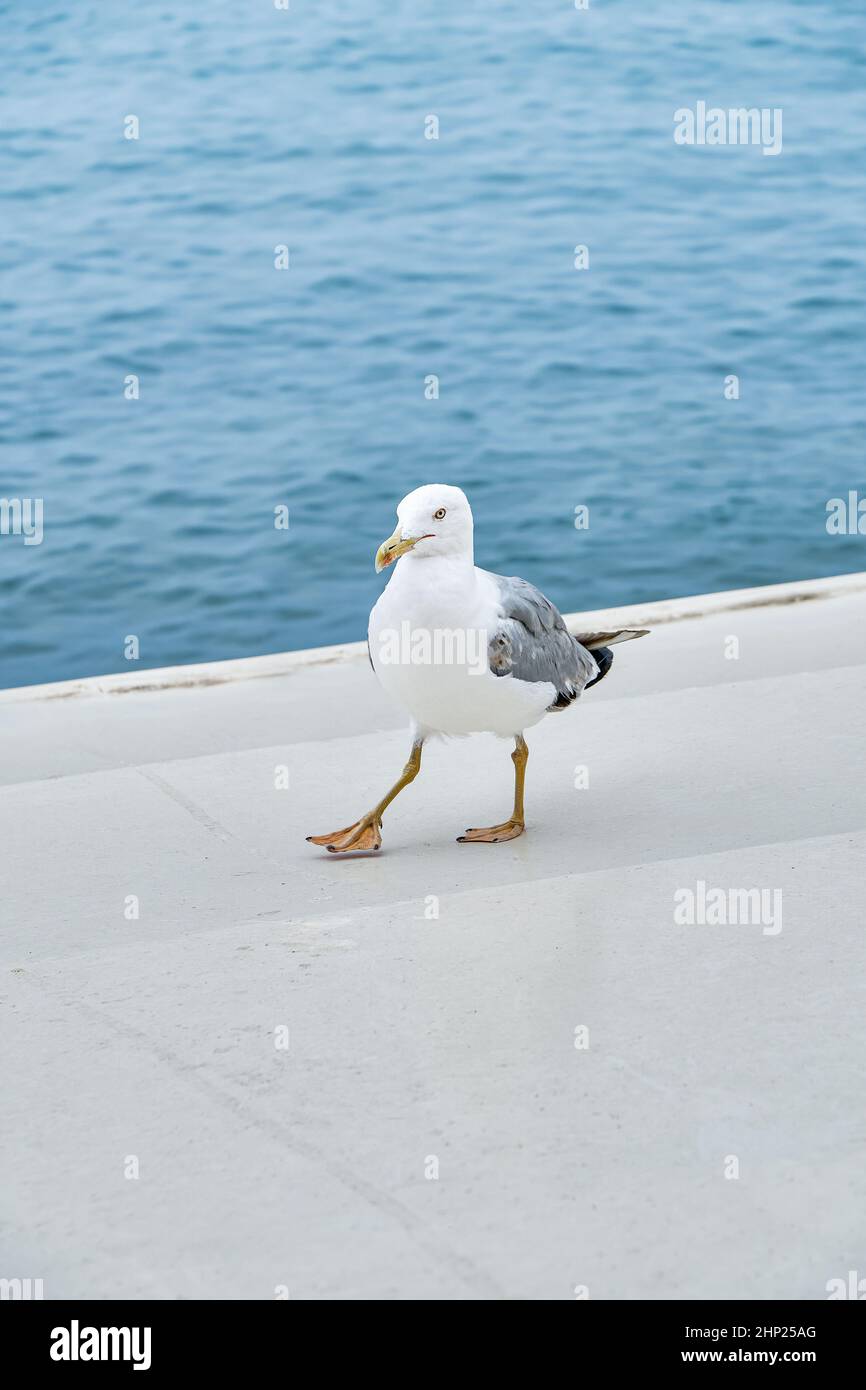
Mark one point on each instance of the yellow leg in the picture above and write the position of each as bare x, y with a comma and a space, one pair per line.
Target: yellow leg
510, 829
364, 834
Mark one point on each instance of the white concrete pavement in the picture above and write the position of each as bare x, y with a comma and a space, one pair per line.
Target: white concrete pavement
415, 1038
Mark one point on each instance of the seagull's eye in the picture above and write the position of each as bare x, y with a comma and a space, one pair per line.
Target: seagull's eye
439, 514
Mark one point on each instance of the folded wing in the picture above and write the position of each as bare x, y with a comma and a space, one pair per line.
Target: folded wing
532, 643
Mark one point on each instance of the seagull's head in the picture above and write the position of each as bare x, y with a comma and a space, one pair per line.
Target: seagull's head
434, 520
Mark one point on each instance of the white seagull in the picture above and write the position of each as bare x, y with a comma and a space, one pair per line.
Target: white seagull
465, 651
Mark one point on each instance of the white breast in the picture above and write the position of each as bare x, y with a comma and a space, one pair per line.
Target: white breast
428, 636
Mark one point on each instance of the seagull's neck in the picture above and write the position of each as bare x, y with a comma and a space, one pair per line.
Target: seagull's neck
427, 569
434, 574
440, 591
455, 559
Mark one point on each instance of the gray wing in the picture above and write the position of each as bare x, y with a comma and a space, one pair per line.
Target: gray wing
532, 643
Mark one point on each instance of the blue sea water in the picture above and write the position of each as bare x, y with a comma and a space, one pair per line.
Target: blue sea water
411, 257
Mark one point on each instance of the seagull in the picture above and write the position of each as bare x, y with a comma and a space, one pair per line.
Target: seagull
465, 651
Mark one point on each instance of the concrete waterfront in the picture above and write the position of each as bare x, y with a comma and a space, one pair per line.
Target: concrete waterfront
510, 1072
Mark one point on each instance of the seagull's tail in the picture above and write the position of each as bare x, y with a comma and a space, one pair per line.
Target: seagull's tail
593, 640
600, 643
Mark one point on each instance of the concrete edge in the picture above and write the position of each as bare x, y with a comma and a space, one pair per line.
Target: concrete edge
653, 614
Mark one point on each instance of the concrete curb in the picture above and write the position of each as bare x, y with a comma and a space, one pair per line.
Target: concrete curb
652, 614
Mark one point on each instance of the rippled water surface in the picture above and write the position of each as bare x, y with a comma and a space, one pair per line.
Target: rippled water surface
409, 258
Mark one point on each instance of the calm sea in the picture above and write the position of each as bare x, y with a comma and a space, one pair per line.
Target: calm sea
412, 258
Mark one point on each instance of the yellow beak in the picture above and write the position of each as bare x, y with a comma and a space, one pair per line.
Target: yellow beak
391, 549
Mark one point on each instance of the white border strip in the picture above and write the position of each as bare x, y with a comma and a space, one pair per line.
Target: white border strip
671, 610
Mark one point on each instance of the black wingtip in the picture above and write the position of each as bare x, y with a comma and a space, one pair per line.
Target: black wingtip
603, 660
